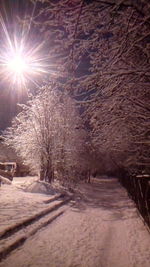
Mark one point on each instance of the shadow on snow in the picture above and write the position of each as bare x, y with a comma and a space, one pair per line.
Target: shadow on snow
106, 194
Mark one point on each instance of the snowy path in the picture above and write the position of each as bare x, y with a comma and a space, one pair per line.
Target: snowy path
102, 230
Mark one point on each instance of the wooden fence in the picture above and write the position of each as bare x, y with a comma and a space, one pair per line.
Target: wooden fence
138, 188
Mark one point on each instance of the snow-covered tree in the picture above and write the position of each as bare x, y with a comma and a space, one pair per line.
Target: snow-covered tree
100, 50
48, 134
120, 128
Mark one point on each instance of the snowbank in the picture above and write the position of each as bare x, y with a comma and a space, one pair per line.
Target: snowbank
39, 187
4, 180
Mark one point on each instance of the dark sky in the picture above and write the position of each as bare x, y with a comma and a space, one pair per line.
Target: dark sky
9, 95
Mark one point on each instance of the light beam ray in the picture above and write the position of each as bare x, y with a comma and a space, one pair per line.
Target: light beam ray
16, 64
20, 63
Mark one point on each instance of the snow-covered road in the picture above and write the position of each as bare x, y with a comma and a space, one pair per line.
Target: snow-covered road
101, 230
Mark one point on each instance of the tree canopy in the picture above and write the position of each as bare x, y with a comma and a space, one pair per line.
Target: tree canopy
48, 135
100, 53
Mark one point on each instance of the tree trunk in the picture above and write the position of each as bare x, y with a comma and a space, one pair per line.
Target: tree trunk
49, 172
89, 177
42, 174
42, 169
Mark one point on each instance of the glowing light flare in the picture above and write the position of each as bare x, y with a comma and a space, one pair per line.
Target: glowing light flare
21, 67
21, 63
17, 65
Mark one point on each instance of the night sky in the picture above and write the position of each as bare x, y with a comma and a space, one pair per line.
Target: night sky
9, 95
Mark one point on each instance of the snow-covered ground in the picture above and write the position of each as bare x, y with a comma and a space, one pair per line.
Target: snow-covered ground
101, 229
16, 204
